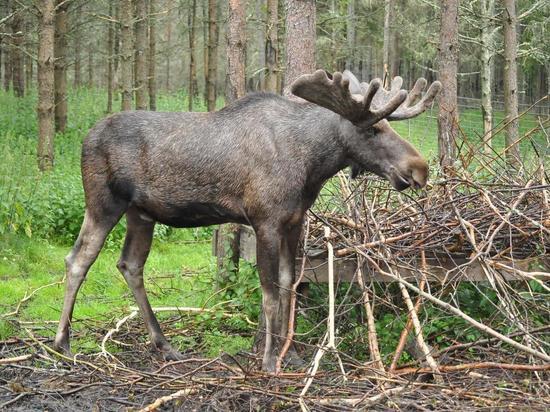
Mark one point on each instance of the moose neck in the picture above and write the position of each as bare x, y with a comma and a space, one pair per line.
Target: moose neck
324, 150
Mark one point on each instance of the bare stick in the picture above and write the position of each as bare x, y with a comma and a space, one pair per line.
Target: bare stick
409, 325
292, 316
371, 324
476, 365
163, 399
115, 330
458, 312
418, 334
6, 361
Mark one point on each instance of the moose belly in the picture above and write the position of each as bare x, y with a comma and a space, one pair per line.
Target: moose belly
192, 214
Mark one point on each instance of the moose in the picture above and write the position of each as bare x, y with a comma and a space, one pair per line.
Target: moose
260, 161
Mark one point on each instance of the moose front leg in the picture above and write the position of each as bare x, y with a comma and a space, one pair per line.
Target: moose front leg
268, 241
287, 268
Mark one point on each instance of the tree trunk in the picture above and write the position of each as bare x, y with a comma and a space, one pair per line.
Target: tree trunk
152, 57
487, 52
141, 58
205, 27
90, 67
192, 85
350, 28
7, 53
509, 22
389, 6
271, 46
260, 36
110, 41
116, 52
236, 40
46, 100
60, 67
447, 119
28, 68
212, 56
300, 40
126, 54
18, 69
168, 54
228, 237
77, 81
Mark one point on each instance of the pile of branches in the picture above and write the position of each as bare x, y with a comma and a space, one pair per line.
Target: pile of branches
486, 213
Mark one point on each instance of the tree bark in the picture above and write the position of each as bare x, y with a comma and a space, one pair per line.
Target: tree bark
46, 99
60, 67
168, 46
487, 52
110, 52
152, 57
260, 37
351, 35
126, 54
77, 81
271, 46
447, 119
192, 84
116, 52
236, 40
300, 40
90, 82
389, 6
212, 56
7, 53
18, 70
140, 53
228, 238
509, 22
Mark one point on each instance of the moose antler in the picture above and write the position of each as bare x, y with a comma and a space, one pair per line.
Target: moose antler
334, 94
364, 104
408, 109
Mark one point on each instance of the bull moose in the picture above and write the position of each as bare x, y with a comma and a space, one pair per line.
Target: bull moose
261, 161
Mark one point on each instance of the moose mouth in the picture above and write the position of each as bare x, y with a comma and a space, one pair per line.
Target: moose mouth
400, 182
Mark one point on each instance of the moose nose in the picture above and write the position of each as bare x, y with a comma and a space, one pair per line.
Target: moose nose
418, 172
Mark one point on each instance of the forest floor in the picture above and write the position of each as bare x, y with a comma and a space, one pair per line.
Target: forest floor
134, 379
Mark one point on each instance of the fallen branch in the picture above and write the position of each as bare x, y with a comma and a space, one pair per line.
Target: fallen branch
475, 365
16, 359
164, 399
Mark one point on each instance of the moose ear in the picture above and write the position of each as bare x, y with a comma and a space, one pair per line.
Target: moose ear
354, 84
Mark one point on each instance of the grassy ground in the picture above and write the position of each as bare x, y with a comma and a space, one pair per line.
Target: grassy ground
40, 215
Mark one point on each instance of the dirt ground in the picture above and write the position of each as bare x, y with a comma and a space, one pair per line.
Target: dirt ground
32, 378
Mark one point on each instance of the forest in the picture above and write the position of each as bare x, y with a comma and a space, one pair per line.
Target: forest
435, 297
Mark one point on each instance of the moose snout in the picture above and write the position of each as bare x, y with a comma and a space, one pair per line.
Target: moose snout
413, 173
419, 171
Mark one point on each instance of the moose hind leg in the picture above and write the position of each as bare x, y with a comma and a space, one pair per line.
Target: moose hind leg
92, 235
267, 250
137, 245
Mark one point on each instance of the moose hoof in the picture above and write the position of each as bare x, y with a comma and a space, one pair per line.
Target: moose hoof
292, 359
269, 365
172, 355
168, 353
62, 346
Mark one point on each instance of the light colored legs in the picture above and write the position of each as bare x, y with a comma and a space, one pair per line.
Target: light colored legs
85, 250
137, 245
